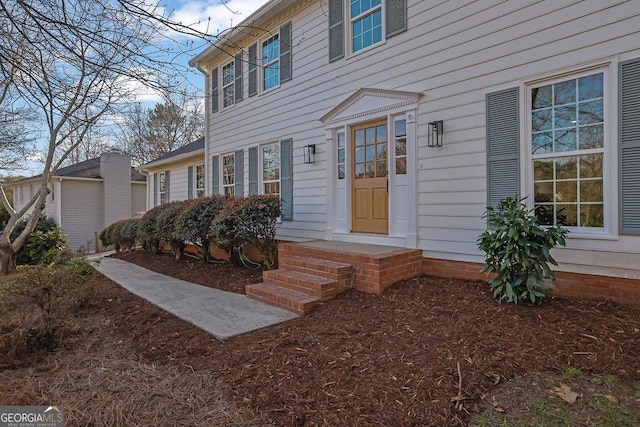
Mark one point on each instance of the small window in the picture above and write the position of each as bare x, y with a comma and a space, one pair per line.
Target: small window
228, 84
199, 181
162, 187
400, 143
228, 174
271, 169
366, 23
341, 155
271, 63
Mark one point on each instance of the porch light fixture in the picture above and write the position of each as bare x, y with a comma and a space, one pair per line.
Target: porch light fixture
309, 152
436, 129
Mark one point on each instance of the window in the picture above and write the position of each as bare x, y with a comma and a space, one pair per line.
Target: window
366, 23
370, 152
271, 169
199, 181
271, 63
162, 187
228, 84
567, 147
228, 174
341, 155
400, 143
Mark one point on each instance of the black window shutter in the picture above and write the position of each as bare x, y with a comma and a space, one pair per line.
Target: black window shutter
286, 178
239, 173
286, 50
396, 17
253, 69
253, 170
167, 182
155, 189
215, 101
336, 30
215, 175
629, 149
190, 182
237, 65
503, 145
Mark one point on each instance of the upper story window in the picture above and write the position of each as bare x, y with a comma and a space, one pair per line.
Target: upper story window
271, 63
271, 169
355, 25
366, 23
568, 142
228, 85
199, 181
228, 174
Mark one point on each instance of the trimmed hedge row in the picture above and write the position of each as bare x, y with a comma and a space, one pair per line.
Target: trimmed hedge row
226, 222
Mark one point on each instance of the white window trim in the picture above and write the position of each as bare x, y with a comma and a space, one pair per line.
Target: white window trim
222, 86
195, 180
610, 162
261, 181
348, 31
223, 186
263, 65
161, 191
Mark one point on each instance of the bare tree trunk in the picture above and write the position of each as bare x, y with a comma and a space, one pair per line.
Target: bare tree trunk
7, 259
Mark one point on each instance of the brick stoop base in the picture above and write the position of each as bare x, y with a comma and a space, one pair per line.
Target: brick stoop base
573, 285
309, 275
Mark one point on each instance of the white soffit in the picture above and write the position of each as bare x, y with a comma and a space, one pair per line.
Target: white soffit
366, 101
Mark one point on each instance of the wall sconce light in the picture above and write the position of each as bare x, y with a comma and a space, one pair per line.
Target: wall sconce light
435, 133
309, 152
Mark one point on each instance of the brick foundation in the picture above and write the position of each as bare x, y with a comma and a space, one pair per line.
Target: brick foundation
573, 285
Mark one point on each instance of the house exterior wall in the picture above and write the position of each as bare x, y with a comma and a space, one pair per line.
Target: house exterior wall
115, 170
138, 197
22, 196
453, 54
178, 179
83, 212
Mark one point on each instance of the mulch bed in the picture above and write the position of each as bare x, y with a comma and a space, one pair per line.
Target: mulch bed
426, 352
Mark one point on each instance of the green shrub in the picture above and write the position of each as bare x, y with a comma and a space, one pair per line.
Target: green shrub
46, 235
105, 236
193, 224
148, 230
129, 233
517, 251
166, 225
224, 229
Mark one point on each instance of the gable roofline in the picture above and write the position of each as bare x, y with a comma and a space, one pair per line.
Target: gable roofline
228, 42
396, 99
193, 149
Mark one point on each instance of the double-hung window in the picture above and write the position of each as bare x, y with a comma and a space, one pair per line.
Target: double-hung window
199, 181
228, 174
366, 23
228, 85
568, 148
271, 169
271, 63
162, 187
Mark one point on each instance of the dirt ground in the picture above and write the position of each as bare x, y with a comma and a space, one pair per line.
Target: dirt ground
427, 352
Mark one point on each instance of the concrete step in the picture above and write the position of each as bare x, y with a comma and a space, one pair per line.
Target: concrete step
288, 299
313, 285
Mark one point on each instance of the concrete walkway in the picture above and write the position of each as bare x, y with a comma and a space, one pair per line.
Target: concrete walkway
222, 314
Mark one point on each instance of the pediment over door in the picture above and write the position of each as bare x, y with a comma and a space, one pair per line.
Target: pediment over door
366, 102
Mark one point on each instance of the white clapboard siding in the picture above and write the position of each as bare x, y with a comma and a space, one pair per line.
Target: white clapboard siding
83, 212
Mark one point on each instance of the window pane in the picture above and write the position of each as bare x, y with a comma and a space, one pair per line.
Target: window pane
401, 128
566, 167
229, 95
566, 140
272, 75
341, 139
565, 92
381, 169
381, 151
591, 112
370, 154
591, 166
370, 135
592, 215
567, 214
370, 170
401, 166
359, 170
542, 143
381, 133
360, 137
543, 192
541, 120
565, 116
567, 191
228, 74
543, 170
545, 215
591, 137
591, 191
541, 97
341, 171
401, 147
359, 154
341, 155
590, 87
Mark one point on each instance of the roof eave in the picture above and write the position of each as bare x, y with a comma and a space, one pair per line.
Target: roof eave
156, 163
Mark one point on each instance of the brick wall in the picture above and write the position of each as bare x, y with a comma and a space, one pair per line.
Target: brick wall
573, 285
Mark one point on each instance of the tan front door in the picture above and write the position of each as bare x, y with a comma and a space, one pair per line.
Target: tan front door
370, 211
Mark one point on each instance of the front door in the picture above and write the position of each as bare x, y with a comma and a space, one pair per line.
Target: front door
370, 210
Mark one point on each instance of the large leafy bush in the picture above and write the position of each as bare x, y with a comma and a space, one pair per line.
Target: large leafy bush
148, 231
518, 253
166, 221
193, 224
46, 236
